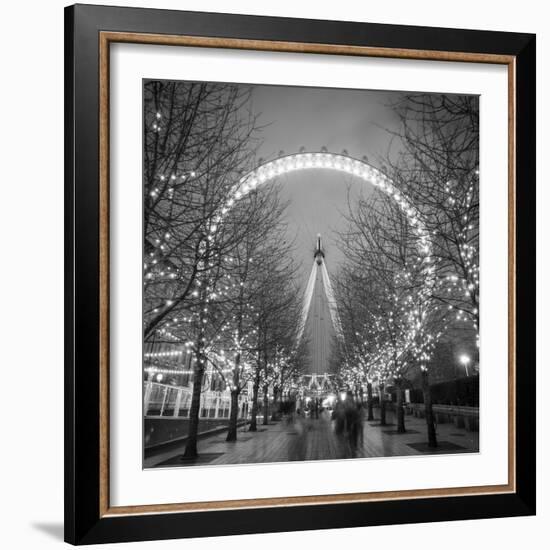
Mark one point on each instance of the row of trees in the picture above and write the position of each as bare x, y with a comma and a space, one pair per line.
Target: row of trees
217, 273
396, 302
218, 276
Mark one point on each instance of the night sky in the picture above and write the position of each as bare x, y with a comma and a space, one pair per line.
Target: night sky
294, 117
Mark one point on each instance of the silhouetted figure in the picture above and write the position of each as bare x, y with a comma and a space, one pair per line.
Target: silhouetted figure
339, 416
358, 435
351, 417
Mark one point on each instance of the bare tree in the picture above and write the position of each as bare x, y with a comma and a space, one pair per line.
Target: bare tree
277, 321
438, 168
256, 264
197, 144
386, 304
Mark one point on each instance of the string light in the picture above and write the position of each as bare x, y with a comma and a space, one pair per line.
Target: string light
412, 337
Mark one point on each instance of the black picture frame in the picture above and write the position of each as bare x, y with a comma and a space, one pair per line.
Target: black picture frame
84, 521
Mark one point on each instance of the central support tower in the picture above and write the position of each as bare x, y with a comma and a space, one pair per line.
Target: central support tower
320, 321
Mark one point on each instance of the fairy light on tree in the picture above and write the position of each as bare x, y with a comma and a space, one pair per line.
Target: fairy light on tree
206, 284
196, 146
439, 164
405, 318
386, 301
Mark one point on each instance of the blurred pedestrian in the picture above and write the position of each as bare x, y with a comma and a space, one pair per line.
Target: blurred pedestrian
350, 411
359, 434
339, 415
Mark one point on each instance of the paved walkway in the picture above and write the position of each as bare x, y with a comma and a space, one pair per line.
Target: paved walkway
315, 439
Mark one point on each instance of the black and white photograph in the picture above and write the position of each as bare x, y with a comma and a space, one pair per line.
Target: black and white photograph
276, 275
310, 274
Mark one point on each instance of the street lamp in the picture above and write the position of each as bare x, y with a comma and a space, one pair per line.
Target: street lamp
465, 361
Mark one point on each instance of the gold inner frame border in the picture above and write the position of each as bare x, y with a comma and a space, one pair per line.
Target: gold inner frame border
105, 40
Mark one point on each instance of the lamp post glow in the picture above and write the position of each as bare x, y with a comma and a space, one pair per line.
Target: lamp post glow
465, 361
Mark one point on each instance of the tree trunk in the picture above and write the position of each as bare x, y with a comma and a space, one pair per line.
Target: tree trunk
254, 414
233, 416
198, 374
235, 390
370, 414
194, 411
266, 404
428, 410
382, 405
400, 409
275, 411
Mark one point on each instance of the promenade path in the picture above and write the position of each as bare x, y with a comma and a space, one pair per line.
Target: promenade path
315, 439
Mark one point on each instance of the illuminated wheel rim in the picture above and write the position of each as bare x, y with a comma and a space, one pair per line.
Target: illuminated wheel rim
347, 165
343, 164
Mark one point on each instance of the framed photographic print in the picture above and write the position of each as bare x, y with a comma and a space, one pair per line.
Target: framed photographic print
299, 274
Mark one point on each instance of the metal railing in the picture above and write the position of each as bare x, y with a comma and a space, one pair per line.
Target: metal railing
461, 416
175, 401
